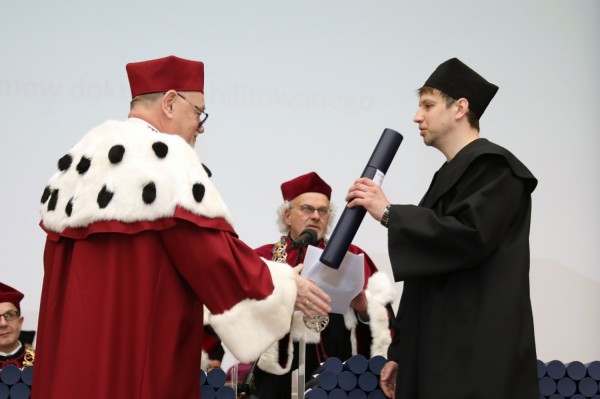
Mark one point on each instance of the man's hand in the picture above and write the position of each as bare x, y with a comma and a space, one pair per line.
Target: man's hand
387, 379
366, 193
310, 298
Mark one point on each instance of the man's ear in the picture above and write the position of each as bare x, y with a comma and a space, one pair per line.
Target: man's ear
167, 103
462, 105
287, 216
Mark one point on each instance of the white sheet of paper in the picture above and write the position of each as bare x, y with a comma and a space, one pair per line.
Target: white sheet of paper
342, 284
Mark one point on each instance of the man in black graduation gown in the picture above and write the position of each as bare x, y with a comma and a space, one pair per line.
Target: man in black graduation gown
464, 324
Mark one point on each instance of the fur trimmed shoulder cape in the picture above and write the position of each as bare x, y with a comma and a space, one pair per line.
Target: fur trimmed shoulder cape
126, 172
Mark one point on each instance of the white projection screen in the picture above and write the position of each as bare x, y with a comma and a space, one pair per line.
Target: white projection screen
299, 86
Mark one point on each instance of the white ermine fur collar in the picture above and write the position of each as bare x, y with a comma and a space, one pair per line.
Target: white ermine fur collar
126, 172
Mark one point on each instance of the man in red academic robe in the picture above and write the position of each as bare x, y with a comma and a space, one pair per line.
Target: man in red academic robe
364, 328
138, 241
12, 350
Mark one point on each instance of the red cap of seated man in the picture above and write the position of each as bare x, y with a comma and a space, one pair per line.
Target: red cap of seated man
9, 294
164, 74
308, 183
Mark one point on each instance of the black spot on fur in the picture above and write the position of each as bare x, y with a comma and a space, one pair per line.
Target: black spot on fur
115, 154
53, 200
46, 194
104, 197
160, 149
65, 162
69, 207
198, 191
208, 172
149, 193
83, 165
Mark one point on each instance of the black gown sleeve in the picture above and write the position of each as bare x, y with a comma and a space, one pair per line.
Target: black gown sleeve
463, 228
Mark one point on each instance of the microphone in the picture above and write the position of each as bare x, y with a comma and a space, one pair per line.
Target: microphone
307, 237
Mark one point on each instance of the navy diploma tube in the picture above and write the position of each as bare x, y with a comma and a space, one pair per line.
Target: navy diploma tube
347, 226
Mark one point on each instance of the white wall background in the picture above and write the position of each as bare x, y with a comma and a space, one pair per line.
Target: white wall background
294, 86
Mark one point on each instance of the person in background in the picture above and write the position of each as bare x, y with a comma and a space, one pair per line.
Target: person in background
464, 324
212, 350
364, 328
138, 241
12, 350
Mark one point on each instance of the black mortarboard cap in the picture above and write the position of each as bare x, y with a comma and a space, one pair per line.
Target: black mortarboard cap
457, 80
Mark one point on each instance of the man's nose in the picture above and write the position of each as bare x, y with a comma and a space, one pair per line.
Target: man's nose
315, 214
417, 118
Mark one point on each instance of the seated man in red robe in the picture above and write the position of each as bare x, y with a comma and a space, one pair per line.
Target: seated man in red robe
12, 350
364, 328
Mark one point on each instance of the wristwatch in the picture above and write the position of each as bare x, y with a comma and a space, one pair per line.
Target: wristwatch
386, 216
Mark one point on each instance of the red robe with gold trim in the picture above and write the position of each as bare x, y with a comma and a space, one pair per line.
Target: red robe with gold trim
138, 241
344, 336
16, 359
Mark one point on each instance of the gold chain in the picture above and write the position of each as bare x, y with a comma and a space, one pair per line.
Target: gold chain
29, 356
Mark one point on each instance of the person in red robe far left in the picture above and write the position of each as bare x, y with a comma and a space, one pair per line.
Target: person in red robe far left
138, 241
12, 350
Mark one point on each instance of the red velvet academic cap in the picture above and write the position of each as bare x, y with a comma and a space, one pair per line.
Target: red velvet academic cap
308, 183
164, 74
457, 80
9, 294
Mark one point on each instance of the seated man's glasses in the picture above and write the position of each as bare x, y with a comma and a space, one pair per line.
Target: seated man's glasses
309, 210
11, 315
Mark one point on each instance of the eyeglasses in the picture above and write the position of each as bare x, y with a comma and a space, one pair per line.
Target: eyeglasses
11, 315
309, 210
202, 116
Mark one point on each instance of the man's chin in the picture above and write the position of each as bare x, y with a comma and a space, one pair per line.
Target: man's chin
320, 234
